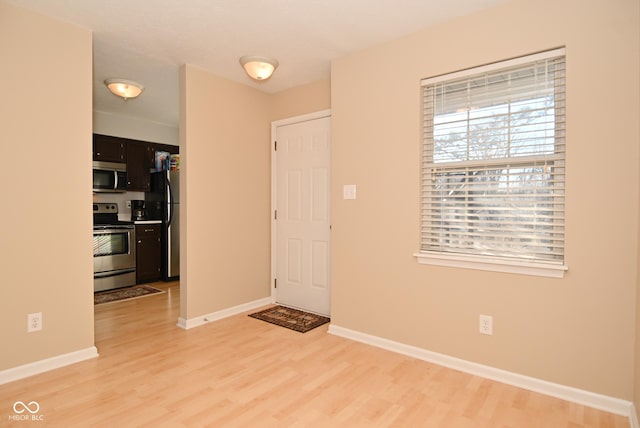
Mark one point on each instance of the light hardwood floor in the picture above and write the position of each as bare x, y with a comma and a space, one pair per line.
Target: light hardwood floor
242, 372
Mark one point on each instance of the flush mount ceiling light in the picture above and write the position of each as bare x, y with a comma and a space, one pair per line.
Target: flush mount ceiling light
124, 88
258, 67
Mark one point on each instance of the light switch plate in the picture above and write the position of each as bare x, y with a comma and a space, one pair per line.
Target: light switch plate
349, 191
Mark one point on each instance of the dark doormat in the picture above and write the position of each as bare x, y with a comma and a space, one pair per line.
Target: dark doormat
291, 318
125, 293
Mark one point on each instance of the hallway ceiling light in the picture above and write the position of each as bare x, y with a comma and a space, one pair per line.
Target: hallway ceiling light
258, 67
124, 88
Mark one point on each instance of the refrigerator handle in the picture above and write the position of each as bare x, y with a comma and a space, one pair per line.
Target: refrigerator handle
170, 203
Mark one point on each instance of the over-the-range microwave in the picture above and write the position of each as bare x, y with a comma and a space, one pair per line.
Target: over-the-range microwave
109, 177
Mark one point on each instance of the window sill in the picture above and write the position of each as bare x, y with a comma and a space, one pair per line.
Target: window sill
492, 264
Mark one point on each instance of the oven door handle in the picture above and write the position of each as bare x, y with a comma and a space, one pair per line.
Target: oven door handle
118, 229
113, 273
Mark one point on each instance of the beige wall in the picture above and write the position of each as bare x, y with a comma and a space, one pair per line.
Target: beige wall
45, 243
135, 128
225, 154
225, 190
578, 331
301, 100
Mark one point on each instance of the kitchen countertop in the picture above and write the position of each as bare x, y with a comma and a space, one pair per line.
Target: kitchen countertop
147, 222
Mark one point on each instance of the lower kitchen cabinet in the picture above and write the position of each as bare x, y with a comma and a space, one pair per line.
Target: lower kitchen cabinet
148, 253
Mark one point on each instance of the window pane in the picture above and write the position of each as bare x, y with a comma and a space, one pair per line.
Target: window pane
494, 163
496, 211
523, 128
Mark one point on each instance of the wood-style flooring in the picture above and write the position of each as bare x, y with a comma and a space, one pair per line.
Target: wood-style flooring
242, 372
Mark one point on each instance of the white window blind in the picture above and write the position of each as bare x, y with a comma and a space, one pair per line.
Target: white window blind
493, 164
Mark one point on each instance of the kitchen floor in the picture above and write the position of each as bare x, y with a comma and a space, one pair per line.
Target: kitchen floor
243, 372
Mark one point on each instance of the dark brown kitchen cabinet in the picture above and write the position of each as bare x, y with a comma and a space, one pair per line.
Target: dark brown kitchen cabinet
148, 253
140, 157
109, 149
174, 150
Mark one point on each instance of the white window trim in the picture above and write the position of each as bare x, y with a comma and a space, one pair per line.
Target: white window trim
477, 262
490, 264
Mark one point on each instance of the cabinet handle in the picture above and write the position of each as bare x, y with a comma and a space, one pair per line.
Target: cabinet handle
139, 242
149, 230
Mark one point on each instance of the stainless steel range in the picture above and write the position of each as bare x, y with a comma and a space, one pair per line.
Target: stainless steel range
114, 249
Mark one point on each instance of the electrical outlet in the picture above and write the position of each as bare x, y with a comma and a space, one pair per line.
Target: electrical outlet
34, 322
486, 324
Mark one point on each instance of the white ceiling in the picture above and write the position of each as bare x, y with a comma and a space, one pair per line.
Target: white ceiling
147, 41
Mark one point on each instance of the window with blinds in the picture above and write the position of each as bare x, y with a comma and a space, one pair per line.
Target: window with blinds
493, 163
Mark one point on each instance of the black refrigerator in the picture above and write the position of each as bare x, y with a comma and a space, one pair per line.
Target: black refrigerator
163, 203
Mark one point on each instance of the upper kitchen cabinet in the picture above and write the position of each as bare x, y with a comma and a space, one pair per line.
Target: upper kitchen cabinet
174, 150
138, 155
140, 159
109, 149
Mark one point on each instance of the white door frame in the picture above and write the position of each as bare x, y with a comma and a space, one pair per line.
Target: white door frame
274, 128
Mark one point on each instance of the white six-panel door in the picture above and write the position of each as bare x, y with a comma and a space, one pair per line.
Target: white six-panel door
302, 218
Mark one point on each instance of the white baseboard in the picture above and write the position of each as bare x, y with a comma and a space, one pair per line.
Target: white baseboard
224, 313
47, 364
633, 418
586, 398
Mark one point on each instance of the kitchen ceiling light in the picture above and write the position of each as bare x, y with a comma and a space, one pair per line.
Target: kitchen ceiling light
258, 67
124, 88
